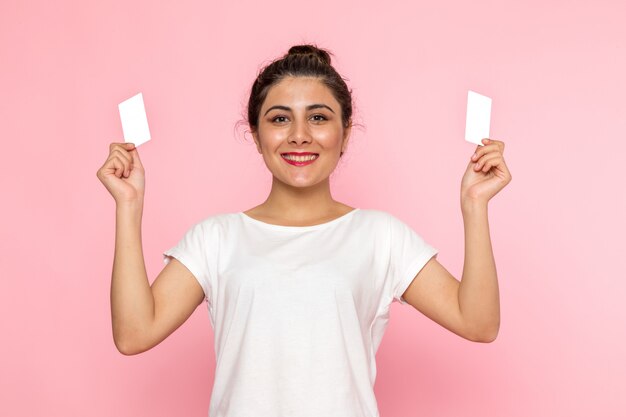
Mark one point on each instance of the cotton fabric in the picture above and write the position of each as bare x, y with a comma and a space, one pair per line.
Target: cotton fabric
298, 313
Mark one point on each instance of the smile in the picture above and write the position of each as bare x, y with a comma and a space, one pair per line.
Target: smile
299, 160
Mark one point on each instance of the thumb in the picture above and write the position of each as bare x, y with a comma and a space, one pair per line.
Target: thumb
132, 149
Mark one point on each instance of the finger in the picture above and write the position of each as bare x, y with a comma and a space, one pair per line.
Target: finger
493, 162
136, 161
504, 169
486, 160
126, 158
124, 155
496, 162
499, 169
486, 146
498, 143
114, 165
483, 150
124, 145
124, 148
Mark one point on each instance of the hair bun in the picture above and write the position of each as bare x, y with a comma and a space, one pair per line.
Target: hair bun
320, 54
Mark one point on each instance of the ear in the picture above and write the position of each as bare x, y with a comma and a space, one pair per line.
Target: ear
255, 136
346, 137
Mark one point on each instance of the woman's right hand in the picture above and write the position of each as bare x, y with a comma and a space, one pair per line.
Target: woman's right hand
123, 174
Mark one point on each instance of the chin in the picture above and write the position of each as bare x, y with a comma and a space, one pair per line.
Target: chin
299, 184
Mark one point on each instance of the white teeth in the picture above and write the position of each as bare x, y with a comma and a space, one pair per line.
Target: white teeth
300, 158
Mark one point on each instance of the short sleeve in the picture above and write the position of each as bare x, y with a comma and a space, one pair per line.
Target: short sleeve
408, 255
191, 251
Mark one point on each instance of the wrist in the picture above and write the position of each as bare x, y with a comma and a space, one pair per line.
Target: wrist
129, 207
470, 207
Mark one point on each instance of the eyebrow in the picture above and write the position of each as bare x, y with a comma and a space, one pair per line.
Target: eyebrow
309, 107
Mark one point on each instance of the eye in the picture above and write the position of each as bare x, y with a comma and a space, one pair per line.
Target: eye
318, 117
279, 119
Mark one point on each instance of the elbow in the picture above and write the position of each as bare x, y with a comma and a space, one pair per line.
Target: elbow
486, 334
128, 346
126, 349
487, 338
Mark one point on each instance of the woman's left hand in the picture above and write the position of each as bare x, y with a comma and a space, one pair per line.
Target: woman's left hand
486, 173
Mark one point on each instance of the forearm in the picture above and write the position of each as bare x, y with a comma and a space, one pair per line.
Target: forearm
132, 303
479, 299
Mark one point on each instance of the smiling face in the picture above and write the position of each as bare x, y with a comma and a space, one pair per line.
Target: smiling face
300, 116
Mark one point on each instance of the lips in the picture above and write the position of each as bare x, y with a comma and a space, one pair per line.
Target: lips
300, 158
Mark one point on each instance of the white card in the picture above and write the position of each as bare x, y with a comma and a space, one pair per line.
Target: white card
134, 120
478, 117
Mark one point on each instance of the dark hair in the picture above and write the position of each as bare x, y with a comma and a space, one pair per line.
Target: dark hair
300, 61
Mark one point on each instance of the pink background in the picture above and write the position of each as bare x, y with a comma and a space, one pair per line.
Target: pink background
555, 71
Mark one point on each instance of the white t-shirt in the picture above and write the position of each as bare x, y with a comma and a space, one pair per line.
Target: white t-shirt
299, 312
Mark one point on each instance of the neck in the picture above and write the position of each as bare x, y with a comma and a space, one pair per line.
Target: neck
298, 204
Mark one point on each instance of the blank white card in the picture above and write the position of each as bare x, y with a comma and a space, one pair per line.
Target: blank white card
478, 117
134, 120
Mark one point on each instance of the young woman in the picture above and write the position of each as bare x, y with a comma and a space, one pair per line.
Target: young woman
299, 287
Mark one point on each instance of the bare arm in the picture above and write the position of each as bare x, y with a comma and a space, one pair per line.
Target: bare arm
132, 302
479, 297
142, 315
471, 307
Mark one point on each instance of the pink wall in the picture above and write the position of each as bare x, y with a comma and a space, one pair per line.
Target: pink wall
555, 71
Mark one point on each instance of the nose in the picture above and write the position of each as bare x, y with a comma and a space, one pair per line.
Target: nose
299, 133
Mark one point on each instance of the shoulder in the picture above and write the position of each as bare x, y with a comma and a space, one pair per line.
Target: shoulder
386, 222
373, 219
219, 218
376, 216
216, 222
